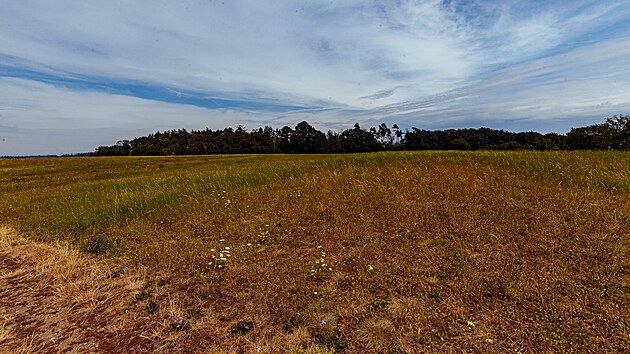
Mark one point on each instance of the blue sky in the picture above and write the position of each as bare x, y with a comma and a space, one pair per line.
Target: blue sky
78, 74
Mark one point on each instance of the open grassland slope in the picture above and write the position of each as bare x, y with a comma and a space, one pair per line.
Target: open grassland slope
387, 252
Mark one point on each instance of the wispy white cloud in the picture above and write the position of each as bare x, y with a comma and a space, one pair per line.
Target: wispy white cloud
549, 94
39, 118
317, 50
342, 60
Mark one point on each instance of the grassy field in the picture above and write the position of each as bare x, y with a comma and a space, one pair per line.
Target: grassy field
385, 253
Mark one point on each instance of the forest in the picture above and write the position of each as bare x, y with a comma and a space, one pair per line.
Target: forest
612, 134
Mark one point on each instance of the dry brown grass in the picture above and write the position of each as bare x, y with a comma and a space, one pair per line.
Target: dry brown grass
464, 258
57, 299
429, 253
6, 332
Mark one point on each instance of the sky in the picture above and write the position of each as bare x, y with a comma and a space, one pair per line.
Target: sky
75, 75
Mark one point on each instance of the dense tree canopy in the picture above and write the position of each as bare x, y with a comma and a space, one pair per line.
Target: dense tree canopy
304, 139
613, 134
358, 140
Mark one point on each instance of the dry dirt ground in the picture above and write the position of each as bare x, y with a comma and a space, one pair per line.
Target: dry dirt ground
53, 299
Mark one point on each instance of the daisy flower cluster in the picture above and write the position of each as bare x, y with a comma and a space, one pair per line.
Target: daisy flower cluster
320, 264
220, 257
263, 234
224, 199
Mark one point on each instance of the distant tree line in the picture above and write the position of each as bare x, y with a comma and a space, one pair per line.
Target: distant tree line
613, 134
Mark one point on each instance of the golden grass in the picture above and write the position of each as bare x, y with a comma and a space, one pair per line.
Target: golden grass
55, 292
396, 252
27, 346
70, 272
6, 332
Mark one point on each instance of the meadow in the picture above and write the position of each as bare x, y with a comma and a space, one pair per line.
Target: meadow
393, 252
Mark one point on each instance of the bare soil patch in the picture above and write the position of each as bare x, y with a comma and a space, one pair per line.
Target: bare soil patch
53, 299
